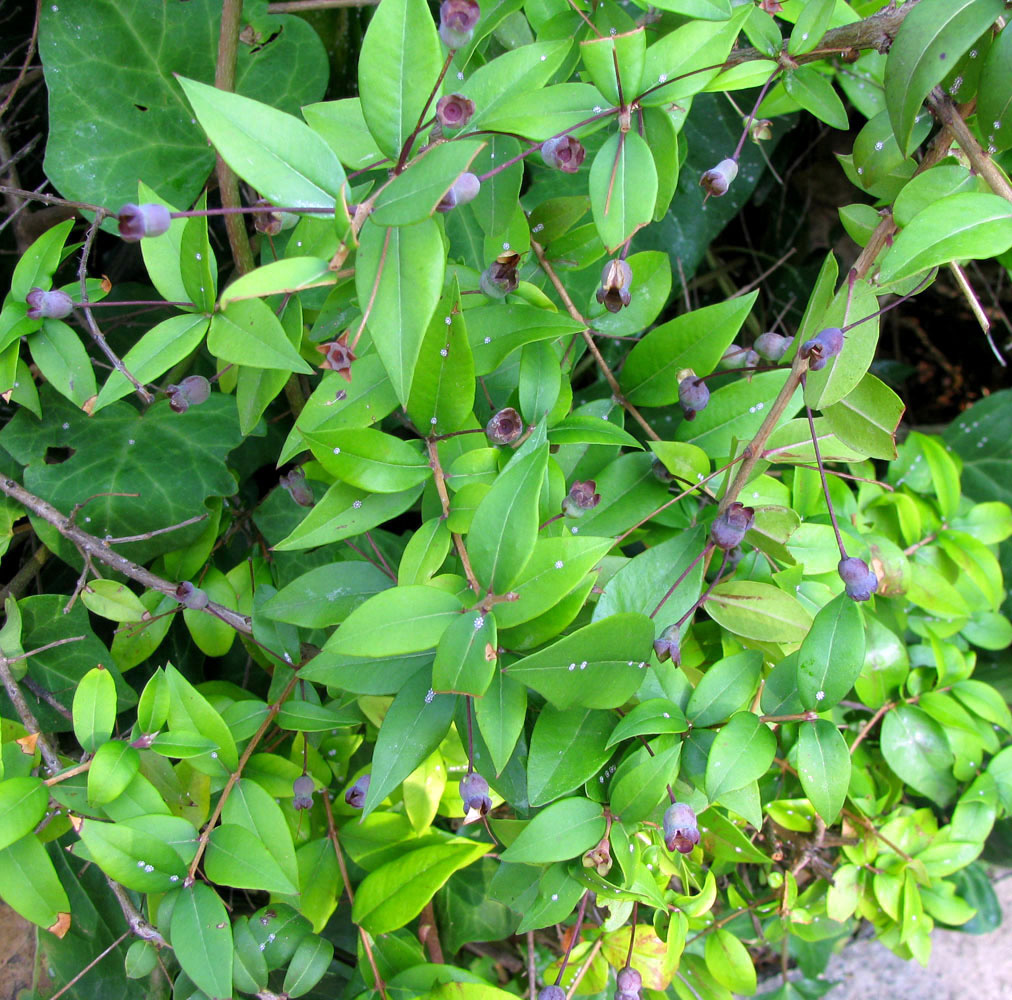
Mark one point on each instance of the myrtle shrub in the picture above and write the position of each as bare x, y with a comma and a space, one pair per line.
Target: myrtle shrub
424, 573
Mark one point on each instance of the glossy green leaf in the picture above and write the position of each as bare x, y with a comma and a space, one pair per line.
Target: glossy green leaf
650, 717
741, 753
500, 717
832, 654
370, 460
496, 331
760, 611
815, 93
567, 748
310, 962
824, 767
248, 332
189, 710
112, 768
994, 94
237, 857
343, 128
808, 30
727, 958
623, 188
928, 44
326, 595
563, 830
466, 655
201, 937
641, 782
614, 61
29, 884
94, 708
112, 600
915, 747
596, 666
396, 892
294, 274
726, 687
63, 361
867, 418
250, 806
138, 859
23, 803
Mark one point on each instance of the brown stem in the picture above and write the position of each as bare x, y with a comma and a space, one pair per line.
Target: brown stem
97, 549
228, 183
91, 965
870, 724
297, 6
29, 55
573, 937
28, 720
585, 965
444, 499
428, 933
616, 391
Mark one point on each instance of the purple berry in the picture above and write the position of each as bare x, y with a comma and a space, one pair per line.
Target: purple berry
552, 993
718, 179
454, 111
48, 305
504, 427
191, 597
355, 795
824, 345
859, 580
772, 346
582, 496
138, 221
303, 788
457, 19
298, 489
192, 391
500, 277
668, 645
629, 980
729, 528
693, 396
615, 281
563, 153
681, 832
474, 792
465, 188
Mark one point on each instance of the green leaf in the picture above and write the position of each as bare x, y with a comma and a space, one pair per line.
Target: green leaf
189, 710
138, 119
467, 912
398, 620
759, 611
615, 60
398, 65
237, 857
326, 595
112, 768
201, 937
693, 340
295, 274
623, 188
413, 727
832, 654
250, 806
815, 94
39, 262
504, 530
808, 30
94, 708
23, 803
400, 271
994, 94
466, 655
968, 225
564, 830
29, 884
584, 428
112, 600
500, 715
567, 749
247, 332
343, 128
63, 361
930, 41
310, 962
598, 666
132, 856
396, 892
640, 783
727, 958
726, 687
915, 747
369, 460
740, 754
198, 270
824, 767
650, 717
867, 418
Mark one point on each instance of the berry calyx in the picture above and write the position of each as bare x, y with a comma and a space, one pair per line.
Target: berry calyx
457, 19
474, 793
563, 153
355, 795
681, 831
192, 391
615, 281
730, 527
668, 645
138, 221
505, 426
824, 345
48, 305
860, 581
582, 497
454, 111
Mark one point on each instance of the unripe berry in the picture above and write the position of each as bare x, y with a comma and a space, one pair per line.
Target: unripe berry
474, 793
693, 396
563, 153
500, 277
859, 581
138, 221
552, 993
824, 345
303, 789
772, 346
681, 832
718, 179
504, 427
668, 645
355, 795
730, 527
48, 305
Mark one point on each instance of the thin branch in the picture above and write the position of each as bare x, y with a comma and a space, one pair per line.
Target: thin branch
138, 925
145, 535
91, 965
977, 309
297, 6
29, 55
28, 720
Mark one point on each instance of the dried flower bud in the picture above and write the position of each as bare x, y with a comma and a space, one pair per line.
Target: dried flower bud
192, 391
465, 188
474, 793
563, 153
303, 789
191, 597
504, 427
500, 277
552, 993
582, 497
298, 489
668, 645
48, 305
338, 356
718, 179
629, 980
138, 221
599, 857
772, 346
457, 19
824, 345
760, 129
615, 281
355, 795
729, 528
693, 395
681, 832
859, 580
266, 220
454, 111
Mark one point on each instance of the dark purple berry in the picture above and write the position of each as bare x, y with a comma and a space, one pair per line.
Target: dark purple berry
552, 993
138, 221
465, 188
858, 579
772, 346
191, 597
474, 792
627, 995
504, 427
582, 496
355, 795
48, 305
729, 528
668, 645
615, 281
454, 111
303, 788
681, 832
718, 179
298, 489
457, 19
824, 345
563, 153
693, 396
629, 980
